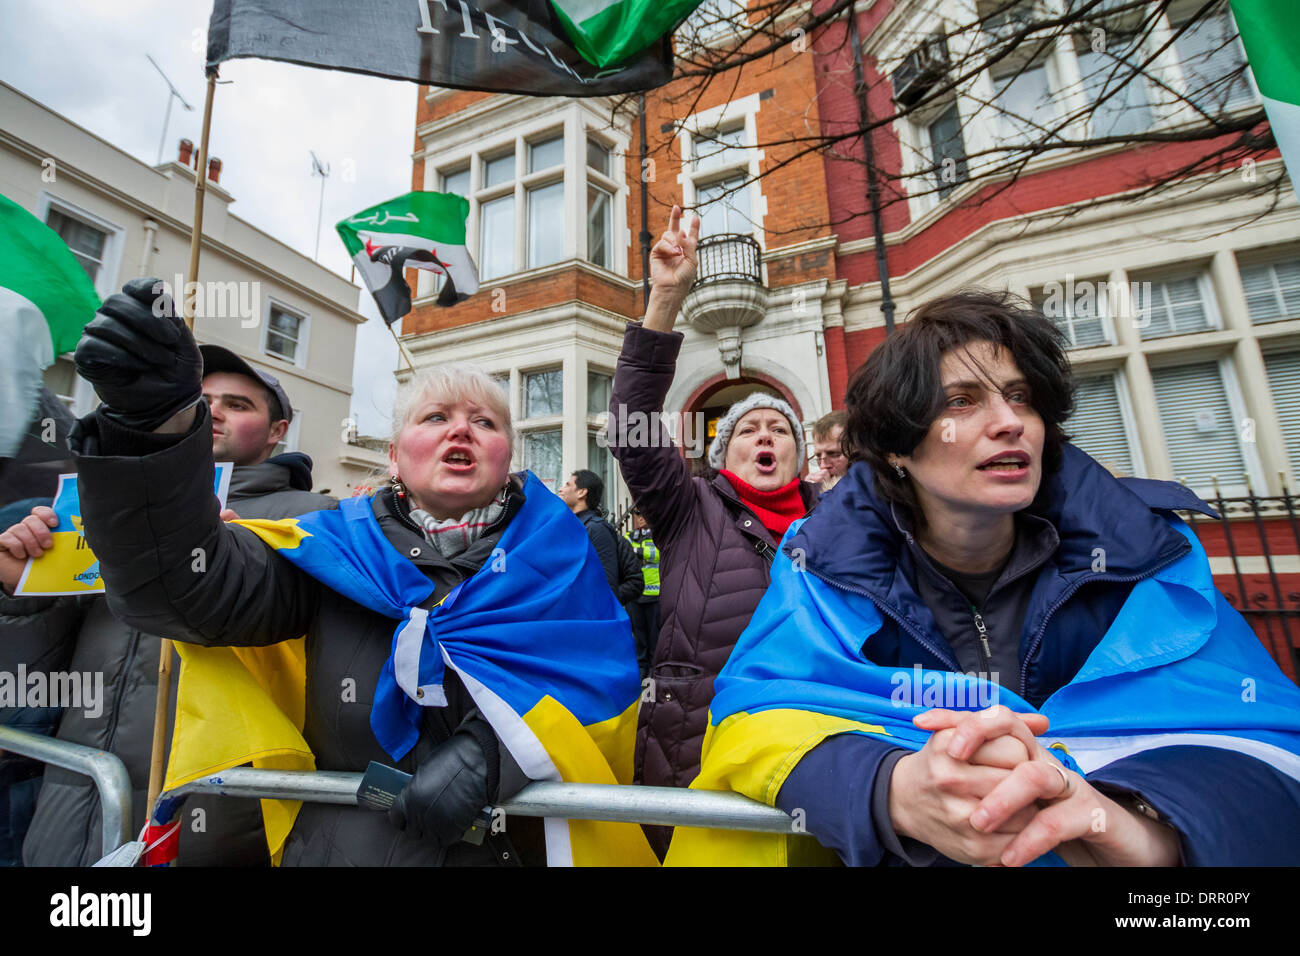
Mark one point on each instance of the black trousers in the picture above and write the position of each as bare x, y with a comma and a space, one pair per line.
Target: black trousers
645, 628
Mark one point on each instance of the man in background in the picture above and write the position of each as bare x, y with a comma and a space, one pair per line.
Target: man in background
583, 492
250, 415
829, 463
644, 611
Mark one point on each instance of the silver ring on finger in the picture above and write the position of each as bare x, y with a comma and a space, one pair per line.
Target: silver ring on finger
1067, 785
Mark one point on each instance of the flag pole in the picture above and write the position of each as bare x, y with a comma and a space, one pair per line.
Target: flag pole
401, 348
162, 704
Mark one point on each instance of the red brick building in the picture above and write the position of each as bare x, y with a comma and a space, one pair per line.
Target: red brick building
1182, 307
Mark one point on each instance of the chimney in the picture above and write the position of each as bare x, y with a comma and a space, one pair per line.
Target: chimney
186, 148
214, 169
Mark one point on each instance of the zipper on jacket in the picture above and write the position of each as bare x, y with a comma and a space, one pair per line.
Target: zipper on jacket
1069, 593
986, 654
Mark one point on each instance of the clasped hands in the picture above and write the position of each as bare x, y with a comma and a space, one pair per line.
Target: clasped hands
984, 791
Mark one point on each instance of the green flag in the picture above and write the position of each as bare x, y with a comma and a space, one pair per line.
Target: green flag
46, 299
607, 32
417, 231
1270, 32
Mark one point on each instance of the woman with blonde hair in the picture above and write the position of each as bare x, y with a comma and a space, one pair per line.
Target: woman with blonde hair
441, 632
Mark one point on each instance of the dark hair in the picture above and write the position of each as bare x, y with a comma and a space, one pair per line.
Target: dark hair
897, 393
590, 482
823, 427
273, 408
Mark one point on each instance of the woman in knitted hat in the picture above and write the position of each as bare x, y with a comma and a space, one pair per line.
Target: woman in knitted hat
717, 533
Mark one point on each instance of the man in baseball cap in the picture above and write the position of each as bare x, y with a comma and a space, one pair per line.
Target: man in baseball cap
250, 416
250, 410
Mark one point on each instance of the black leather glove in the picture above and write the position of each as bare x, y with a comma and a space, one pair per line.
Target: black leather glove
446, 794
140, 357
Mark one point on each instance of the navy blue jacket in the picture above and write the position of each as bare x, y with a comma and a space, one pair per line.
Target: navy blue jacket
1216, 799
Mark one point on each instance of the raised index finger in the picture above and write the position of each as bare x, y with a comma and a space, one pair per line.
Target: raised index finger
675, 220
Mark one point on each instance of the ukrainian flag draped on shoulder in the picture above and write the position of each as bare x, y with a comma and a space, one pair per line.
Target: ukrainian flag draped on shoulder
1178, 666
541, 643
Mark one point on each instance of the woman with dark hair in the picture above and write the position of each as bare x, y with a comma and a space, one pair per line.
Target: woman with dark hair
974, 579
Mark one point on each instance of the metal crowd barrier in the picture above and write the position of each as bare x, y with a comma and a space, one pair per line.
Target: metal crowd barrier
107, 771
664, 806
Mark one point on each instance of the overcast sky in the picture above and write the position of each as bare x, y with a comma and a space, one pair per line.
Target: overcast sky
86, 60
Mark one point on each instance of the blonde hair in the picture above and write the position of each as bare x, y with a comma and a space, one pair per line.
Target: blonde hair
453, 382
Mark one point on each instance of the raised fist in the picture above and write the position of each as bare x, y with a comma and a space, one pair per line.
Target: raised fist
140, 357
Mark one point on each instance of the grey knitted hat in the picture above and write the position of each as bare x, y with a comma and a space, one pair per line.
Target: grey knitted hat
727, 423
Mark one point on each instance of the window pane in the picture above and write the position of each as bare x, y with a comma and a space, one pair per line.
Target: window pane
277, 344
282, 333
1081, 319
598, 385
545, 225
601, 462
1199, 429
543, 455
86, 242
712, 19
1124, 109
1284, 382
1171, 307
721, 213
717, 148
546, 154
499, 170
284, 323
1097, 425
1021, 97
497, 226
946, 143
544, 393
1212, 61
457, 182
1272, 291
599, 226
598, 157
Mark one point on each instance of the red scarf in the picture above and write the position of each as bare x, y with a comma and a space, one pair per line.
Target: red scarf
775, 509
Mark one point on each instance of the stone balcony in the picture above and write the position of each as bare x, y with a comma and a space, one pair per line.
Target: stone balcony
728, 294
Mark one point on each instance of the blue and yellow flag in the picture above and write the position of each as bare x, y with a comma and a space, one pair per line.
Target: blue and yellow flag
537, 637
1178, 666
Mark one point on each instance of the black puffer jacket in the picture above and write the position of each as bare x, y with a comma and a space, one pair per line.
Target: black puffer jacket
82, 635
715, 557
143, 522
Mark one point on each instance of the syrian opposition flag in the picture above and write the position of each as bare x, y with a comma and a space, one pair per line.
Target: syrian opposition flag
608, 32
505, 46
46, 299
1269, 31
419, 230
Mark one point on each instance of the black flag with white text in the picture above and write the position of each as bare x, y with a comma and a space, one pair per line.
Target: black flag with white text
507, 46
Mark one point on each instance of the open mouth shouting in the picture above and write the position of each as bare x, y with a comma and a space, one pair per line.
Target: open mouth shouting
765, 462
458, 460
1008, 464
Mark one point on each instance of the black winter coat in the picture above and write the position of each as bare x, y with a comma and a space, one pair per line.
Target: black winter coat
622, 566
82, 635
715, 557
143, 521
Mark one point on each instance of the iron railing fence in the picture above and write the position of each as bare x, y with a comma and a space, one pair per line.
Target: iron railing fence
1254, 553
729, 257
